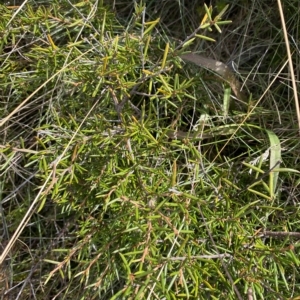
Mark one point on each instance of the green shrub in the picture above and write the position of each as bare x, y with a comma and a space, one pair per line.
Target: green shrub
138, 181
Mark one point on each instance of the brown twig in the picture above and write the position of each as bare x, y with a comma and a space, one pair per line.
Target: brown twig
281, 234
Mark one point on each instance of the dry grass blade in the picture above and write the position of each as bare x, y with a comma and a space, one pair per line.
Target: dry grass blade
291, 66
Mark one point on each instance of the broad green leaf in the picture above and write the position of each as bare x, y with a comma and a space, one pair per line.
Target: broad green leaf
275, 159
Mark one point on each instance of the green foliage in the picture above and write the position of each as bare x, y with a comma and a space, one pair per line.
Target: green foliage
120, 209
